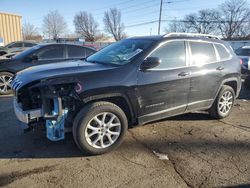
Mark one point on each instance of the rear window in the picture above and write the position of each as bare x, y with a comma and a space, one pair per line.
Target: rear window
243, 52
223, 53
202, 53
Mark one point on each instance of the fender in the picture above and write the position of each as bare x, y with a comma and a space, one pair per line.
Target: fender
130, 104
238, 81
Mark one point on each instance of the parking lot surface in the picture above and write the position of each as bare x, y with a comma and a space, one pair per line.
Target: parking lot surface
198, 151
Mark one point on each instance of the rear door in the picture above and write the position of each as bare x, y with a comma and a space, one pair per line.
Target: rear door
50, 54
206, 74
163, 90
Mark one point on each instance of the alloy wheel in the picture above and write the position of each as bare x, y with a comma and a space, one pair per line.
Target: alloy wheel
226, 102
103, 130
5, 83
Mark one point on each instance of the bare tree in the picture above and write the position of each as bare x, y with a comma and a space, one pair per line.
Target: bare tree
235, 18
86, 26
54, 25
29, 31
176, 26
113, 25
205, 21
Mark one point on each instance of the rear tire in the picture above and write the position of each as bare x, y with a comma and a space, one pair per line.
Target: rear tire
5, 83
223, 103
99, 128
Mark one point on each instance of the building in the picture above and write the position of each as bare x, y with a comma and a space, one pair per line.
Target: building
10, 27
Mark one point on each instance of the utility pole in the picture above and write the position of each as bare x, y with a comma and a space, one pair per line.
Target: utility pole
159, 24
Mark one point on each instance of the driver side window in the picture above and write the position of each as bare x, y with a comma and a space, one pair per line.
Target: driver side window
172, 55
52, 52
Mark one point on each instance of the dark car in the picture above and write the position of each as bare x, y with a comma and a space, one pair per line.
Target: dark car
244, 54
38, 55
133, 81
16, 47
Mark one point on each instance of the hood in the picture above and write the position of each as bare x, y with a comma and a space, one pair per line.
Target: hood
52, 70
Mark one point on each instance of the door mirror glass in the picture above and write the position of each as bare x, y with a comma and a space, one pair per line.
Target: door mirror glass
150, 62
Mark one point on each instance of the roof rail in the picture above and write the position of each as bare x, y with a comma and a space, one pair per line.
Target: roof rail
191, 35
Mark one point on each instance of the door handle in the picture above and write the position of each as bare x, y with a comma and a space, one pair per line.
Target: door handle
182, 74
220, 68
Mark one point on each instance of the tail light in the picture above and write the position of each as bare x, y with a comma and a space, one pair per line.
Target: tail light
241, 61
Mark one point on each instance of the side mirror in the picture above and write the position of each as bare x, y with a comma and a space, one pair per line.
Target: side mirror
150, 62
31, 58
34, 57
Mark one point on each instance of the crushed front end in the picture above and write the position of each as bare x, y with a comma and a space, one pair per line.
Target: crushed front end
47, 104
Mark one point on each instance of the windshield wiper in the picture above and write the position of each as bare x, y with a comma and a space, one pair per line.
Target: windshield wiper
96, 62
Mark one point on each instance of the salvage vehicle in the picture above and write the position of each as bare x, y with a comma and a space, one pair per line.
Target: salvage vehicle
130, 82
38, 55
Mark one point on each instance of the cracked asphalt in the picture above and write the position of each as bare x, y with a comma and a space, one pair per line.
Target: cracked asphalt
202, 152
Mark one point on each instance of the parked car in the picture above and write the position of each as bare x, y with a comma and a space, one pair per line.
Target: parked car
133, 81
1, 42
15, 47
38, 55
244, 54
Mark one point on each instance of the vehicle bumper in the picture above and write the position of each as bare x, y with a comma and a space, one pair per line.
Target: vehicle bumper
26, 116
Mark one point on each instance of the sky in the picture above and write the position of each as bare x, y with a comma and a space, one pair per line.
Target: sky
134, 12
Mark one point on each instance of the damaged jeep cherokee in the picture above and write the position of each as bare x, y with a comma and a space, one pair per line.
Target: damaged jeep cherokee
133, 81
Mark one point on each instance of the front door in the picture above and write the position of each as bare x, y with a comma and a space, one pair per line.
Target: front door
50, 54
163, 91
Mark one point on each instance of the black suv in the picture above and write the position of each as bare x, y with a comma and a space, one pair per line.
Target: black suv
133, 81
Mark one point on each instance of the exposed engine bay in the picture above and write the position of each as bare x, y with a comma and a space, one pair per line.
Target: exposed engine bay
51, 106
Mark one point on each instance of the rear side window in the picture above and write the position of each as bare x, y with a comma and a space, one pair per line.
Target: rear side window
223, 53
202, 53
76, 51
172, 55
89, 52
54, 52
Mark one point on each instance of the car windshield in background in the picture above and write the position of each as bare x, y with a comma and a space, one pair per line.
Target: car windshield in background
27, 52
243, 52
120, 53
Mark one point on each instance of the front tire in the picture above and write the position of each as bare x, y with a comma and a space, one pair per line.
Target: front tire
223, 104
99, 128
5, 83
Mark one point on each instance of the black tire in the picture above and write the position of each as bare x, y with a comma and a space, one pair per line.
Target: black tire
214, 111
2, 75
85, 115
247, 83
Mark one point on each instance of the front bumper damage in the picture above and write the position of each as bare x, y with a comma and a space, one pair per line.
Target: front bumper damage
54, 121
26, 116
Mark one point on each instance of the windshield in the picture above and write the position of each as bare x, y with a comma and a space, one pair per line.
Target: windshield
120, 53
27, 52
243, 52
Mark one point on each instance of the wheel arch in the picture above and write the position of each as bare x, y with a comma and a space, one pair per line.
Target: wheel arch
118, 99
